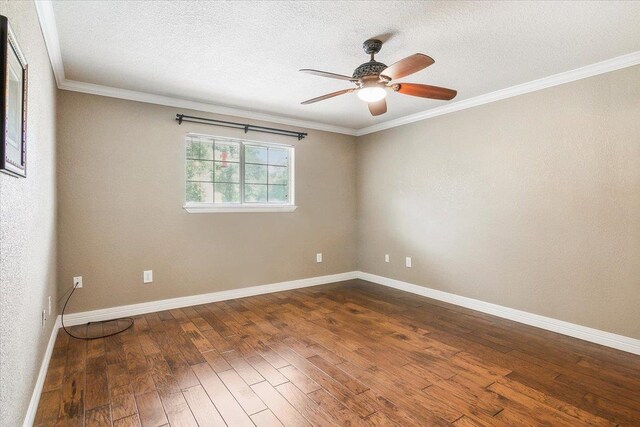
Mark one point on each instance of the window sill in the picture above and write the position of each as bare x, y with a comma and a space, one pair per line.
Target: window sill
238, 208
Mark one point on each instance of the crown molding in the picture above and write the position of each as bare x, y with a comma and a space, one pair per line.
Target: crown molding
46, 16
133, 95
44, 10
609, 65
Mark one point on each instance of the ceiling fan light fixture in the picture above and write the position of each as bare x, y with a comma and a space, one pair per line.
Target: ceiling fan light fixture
372, 93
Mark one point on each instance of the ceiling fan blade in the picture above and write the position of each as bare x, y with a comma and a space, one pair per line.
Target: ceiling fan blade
328, 74
377, 108
327, 96
409, 65
425, 91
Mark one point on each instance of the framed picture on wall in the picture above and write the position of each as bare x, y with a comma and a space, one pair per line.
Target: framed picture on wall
13, 109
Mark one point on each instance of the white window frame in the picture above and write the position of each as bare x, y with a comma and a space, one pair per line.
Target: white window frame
193, 207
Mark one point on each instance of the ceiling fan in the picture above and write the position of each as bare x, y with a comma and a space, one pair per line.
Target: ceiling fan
373, 80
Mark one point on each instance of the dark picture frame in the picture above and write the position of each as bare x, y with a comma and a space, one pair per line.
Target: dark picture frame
13, 106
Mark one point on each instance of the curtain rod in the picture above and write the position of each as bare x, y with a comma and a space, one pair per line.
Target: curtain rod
234, 125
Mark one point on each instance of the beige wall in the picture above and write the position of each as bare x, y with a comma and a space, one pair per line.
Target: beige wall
121, 190
27, 230
531, 202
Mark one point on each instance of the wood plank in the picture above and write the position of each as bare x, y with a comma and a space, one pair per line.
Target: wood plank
137, 367
198, 340
95, 348
72, 399
97, 389
353, 385
282, 409
266, 419
216, 361
244, 369
303, 382
162, 376
181, 370
218, 342
123, 402
265, 369
98, 417
148, 344
333, 408
178, 412
202, 408
305, 406
118, 374
150, 410
224, 401
130, 421
242, 392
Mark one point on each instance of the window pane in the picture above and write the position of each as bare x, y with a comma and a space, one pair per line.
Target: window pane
254, 154
200, 149
278, 156
216, 169
278, 194
227, 172
199, 192
199, 170
227, 193
255, 174
278, 175
255, 193
227, 151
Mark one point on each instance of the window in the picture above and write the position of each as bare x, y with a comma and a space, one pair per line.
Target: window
230, 175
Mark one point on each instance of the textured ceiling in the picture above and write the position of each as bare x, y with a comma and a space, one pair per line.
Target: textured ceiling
246, 54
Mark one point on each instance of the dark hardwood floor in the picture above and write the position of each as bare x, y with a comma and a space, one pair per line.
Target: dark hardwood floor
351, 353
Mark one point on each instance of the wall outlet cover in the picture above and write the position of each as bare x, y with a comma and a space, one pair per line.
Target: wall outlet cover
407, 261
386, 257
319, 257
147, 276
77, 281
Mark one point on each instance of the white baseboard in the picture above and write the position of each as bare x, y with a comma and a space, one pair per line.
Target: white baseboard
44, 366
168, 304
608, 339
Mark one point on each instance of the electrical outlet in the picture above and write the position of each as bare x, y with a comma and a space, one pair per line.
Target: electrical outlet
386, 257
77, 281
319, 257
49, 305
147, 276
407, 261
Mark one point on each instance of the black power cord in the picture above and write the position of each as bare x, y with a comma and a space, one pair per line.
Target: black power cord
73, 289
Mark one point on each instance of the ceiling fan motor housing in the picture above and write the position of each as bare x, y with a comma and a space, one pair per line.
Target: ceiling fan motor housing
371, 68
